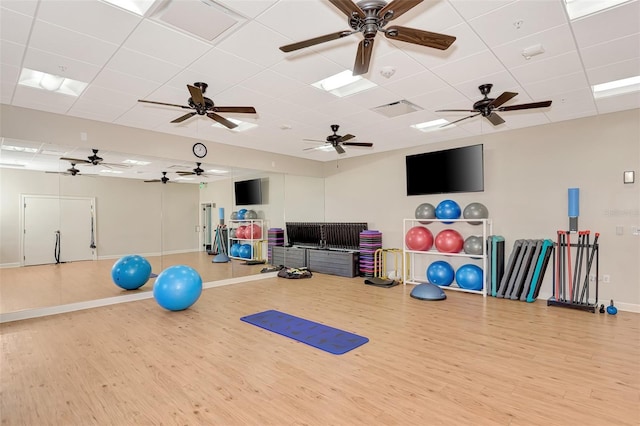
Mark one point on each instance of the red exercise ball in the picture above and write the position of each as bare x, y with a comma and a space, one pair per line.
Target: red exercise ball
419, 238
449, 241
253, 232
240, 232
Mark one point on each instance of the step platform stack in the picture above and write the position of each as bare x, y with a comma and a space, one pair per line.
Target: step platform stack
370, 241
275, 237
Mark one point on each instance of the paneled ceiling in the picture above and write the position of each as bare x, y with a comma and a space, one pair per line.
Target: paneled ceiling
233, 46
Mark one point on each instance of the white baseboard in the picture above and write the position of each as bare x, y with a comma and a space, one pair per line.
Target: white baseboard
71, 307
626, 307
118, 256
10, 265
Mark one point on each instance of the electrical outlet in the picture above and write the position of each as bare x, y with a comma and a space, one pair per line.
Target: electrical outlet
606, 278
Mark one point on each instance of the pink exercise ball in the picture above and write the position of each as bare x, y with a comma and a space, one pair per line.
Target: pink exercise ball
449, 241
240, 232
419, 238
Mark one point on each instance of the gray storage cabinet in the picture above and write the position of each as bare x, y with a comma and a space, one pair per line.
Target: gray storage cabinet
291, 257
334, 262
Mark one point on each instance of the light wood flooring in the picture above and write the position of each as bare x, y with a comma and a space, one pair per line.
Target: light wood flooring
466, 360
58, 284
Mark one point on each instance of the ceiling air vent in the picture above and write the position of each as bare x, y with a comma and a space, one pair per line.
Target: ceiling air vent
395, 109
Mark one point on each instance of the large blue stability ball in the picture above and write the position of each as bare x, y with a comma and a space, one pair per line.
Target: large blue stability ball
448, 209
245, 251
234, 251
241, 214
131, 272
177, 287
440, 273
469, 277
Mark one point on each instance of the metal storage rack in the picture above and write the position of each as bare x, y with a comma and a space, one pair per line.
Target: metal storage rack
413, 259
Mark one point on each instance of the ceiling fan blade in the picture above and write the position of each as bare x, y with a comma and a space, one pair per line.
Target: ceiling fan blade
346, 137
456, 110
423, 38
502, 99
154, 180
314, 140
461, 119
363, 57
369, 144
165, 104
495, 119
396, 8
237, 109
348, 7
184, 117
186, 173
339, 149
196, 95
75, 160
541, 104
314, 148
220, 119
314, 41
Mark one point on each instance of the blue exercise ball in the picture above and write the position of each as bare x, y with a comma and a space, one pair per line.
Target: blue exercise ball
440, 273
234, 251
241, 214
177, 287
131, 272
448, 209
470, 277
245, 251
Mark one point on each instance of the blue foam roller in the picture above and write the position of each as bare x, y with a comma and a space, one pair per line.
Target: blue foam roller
574, 202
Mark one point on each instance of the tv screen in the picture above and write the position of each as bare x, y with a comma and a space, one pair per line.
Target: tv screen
248, 192
446, 171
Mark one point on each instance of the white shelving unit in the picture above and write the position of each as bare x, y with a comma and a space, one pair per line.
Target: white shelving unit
416, 262
256, 248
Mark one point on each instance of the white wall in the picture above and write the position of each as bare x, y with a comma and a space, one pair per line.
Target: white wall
527, 174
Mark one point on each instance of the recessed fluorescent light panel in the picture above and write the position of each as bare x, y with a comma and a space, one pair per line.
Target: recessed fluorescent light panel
184, 178
218, 172
115, 172
579, 8
139, 7
52, 83
19, 149
137, 162
429, 126
242, 125
617, 87
344, 84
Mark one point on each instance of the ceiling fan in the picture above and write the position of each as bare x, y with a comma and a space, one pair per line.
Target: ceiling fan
72, 171
338, 141
94, 160
198, 171
488, 107
370, 16
164, 179
205, 106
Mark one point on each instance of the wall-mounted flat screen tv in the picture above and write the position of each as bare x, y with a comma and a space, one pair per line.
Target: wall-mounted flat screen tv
248, 192
446, 171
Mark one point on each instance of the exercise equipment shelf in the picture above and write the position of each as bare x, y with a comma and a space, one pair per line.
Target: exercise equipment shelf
255, 239
416, 261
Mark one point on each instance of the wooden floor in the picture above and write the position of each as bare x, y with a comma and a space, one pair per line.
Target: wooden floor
462, 361
58, 284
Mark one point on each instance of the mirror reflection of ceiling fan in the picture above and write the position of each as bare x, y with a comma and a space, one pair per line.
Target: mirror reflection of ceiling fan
71, 171
338, 141
93, 160
487, 107
198, 171
164, 179
370, 17
202, 105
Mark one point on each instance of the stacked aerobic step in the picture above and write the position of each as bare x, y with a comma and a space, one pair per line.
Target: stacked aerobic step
370, 241
524, 271
275, 237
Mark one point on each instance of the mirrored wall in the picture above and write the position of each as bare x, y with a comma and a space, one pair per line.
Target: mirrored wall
61, 234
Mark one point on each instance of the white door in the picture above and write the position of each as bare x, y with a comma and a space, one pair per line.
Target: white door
58, 229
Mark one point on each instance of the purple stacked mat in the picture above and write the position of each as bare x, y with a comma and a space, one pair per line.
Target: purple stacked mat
370, 241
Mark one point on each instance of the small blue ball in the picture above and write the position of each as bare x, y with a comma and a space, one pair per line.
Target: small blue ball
448, 209
612, 310
131, 272
440, 273
177, 287
470, 277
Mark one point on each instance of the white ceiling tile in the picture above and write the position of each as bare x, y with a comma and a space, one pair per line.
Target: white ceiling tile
433, 16
617, 22
226, 68
271, 83
572, 104
165, 44
403, 65
555, 41
114, 80
470, 9
244, 43
612, 72
14, 26
143, 66
568, 63
611, 52
518, 20
248, 8
440, 99
565, 83
95, 110
417, 84
524, 118
502, 82
42, 100
310, 19
469, 68
307, 69
100, 95
26, 7
309, 95
8, 79
40, 60
147, 116
97, 18
11, 53
61, 41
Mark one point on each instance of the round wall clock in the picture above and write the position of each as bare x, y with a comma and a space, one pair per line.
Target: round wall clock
199, 150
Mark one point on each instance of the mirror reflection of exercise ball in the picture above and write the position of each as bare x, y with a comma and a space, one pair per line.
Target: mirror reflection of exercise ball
250, 215
234, 215
473, 245
475, 211
425, 211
